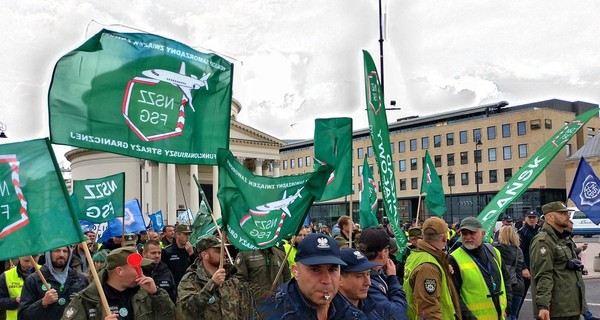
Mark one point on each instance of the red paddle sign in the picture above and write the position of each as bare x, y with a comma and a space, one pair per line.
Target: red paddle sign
135, 260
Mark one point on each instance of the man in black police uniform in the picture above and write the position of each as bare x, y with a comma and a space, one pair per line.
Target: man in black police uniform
180, 254
158, 270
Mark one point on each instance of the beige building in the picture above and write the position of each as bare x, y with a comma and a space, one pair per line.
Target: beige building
171, 187
475, 151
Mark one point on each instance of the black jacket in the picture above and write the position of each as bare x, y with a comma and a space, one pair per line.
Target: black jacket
526, 233
31, 307
177, 260
163, 278
6, 302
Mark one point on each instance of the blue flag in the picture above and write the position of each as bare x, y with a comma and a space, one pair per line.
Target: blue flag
157, 221
134, 222
585, 191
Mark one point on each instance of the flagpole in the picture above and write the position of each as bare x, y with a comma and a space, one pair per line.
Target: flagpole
352, 224
39, 272
103, 300
283, 265
416, 224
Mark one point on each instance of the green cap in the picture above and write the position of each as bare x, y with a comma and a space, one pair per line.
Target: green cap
118, 257
183, 228
556, 206
471, 224
208, 242
414, 232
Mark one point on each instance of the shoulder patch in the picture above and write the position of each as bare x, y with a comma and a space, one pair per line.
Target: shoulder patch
71, 312
543, 250
430, 285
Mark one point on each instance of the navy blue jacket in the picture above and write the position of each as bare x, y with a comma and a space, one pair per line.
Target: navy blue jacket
526, 233
388, 295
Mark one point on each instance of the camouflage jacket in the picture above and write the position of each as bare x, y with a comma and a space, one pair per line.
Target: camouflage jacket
87, 306
200, 298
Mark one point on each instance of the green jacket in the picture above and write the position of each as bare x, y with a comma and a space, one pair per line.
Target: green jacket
553, 286
87, 306
200, 298
262, 266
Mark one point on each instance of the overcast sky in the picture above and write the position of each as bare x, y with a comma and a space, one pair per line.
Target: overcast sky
301, 60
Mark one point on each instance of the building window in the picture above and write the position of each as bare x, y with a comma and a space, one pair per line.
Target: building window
450, 158
401, 146
300, 162
360, 169
292, 163
463, 137
413, 164
522, 151
476, 134
369, 152
353, 171
360, 153
392, 147
402, 165
506, 130
451, 180
413, 184
437, 160
464, 178
507, 174
548, 124
491, 133
308, 161
413, 144
402, 184
492, 154
568, 149
437, 141
478, 177
371, 169
590, 136
493, 176
477, 156
285, 164
535, 124
425, 143
464, 157
521, 128
507, 153
450, 139
590, 129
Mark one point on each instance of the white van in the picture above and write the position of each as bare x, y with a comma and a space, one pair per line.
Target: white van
582, 226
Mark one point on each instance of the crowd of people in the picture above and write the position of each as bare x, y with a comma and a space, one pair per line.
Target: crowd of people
447, 272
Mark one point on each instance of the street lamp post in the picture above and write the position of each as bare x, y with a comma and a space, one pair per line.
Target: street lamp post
477, 160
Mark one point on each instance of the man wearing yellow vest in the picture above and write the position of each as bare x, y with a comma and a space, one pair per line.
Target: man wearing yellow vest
428, 283
11, 283
479, 275
291, 248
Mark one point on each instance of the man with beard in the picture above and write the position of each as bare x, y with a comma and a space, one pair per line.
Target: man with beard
158, 270
352, 300
130, 296
38, 301
11, 284
557, 288
179, 255
291, 248
479, 275
316, 281
207, 291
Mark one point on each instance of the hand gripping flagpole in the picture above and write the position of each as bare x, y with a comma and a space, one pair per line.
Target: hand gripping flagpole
39, 272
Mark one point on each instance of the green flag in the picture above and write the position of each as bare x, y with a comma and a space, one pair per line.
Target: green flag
201, 222
530, 170
368, 198
99, 200
380, 139
35, 212
333, 146
260, 211
432, 186
142, 96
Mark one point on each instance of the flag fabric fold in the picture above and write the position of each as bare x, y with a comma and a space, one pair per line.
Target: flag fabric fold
380, 139
157, 221
260, 211
432, 186
35, 212
142, 96
585, 191
99, 200
134, 222
333, 146
368, 198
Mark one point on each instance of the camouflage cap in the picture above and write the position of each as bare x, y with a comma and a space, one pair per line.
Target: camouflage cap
208, 242
129, 239
118, 257
183, 228
555, 206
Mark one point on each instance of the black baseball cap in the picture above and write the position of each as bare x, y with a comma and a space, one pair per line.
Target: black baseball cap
532, 213
317, 249
374, 239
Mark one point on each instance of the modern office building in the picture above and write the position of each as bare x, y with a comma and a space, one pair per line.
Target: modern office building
475, 151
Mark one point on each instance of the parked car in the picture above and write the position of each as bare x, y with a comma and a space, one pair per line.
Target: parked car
582, 226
